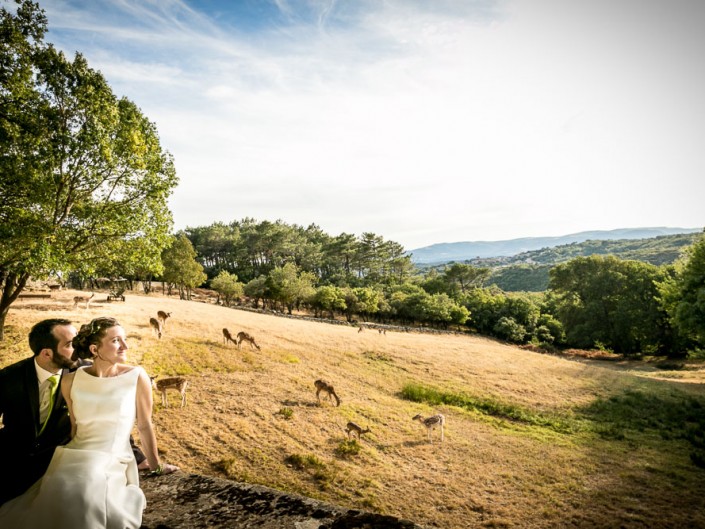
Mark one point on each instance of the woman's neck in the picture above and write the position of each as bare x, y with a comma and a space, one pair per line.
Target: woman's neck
103, 369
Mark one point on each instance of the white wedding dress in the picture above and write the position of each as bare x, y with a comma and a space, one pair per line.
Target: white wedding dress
93, 481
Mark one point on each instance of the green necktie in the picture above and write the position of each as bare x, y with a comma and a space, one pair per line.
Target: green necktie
53, 382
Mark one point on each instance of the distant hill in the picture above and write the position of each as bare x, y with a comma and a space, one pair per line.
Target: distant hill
466, 251
528, 271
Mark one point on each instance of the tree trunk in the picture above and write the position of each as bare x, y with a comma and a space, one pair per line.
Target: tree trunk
12, 285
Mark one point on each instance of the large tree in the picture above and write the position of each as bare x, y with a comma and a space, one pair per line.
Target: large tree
683, 294
227, 285
610, 302
181, 267
82, 173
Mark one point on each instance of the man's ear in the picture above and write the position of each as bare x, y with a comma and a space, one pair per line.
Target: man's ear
47, 352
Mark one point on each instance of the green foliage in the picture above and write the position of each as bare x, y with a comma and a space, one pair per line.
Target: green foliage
303, 462
227, 285
347, 448
249, 249
486, 406
528, 271
515, 317
286, 413
631, 416
674, 416
683, 294
289, 286
660, 250
412, 303
181, 267
603, 299
257, 289
508, 329
312, 464
520, 278
328, 298
84, 179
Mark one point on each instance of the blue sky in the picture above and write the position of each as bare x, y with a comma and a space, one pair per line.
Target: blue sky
421, 121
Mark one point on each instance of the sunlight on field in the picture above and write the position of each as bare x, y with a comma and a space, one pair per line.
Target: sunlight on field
530, 440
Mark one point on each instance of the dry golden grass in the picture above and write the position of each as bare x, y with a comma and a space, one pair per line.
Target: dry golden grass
253, 416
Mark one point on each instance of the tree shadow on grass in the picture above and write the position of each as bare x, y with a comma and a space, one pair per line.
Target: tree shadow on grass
635, 413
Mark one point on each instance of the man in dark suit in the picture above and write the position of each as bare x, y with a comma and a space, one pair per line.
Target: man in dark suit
34, 413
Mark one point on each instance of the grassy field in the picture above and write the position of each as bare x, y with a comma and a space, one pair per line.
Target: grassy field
531, 440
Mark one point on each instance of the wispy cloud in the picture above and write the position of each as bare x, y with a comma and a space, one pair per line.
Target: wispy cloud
414, 119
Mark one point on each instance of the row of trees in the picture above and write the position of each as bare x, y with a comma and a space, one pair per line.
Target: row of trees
626, 306
251, 249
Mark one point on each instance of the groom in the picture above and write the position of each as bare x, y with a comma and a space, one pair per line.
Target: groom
33, 410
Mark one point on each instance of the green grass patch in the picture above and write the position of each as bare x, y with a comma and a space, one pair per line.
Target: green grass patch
286, 413
347, 448
378, 357
488, 406
309, 463
671, 417
636, 417
304, 462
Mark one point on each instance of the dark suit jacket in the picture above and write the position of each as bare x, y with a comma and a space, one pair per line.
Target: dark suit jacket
24, 453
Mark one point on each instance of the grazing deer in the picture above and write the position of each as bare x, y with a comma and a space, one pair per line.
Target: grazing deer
360, 329
431, 423
227, 337
325, 387
242, 336
156, 326
177, 383
354, 428
82, 299
163, 316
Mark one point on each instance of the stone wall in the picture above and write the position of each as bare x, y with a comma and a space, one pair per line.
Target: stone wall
190, 501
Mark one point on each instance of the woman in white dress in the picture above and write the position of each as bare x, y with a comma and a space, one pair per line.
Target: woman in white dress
92, 482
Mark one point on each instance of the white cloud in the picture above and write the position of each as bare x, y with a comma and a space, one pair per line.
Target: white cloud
422, 125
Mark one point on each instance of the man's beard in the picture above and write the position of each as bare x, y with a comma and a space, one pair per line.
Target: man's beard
63, 362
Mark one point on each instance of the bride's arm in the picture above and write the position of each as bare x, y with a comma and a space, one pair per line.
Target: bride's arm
66, 384
148, 439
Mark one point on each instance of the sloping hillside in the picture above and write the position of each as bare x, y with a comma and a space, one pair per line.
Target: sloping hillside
530, 441
465, 251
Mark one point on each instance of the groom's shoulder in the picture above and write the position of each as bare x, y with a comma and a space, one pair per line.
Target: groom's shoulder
17, 367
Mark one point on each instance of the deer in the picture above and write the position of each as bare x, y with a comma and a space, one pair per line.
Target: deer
163, 316
83, 299
353, 428
383, 331
227, 337
242, 336
360, 329
177, 383
431, 423
325, 387
156, 326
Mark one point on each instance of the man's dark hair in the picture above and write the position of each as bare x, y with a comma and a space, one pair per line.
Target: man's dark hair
42, 337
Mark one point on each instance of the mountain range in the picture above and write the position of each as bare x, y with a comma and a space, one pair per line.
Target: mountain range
463, 251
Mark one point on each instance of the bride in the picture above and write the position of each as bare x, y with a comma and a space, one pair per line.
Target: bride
92, 482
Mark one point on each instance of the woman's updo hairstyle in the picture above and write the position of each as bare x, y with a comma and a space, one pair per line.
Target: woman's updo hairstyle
91, 334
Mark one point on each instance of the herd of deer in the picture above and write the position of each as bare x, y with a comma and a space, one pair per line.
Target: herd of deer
180, 383
242, 336
159, 323
351, 429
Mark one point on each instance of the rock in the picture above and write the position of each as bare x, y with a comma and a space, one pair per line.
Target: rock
190, 501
